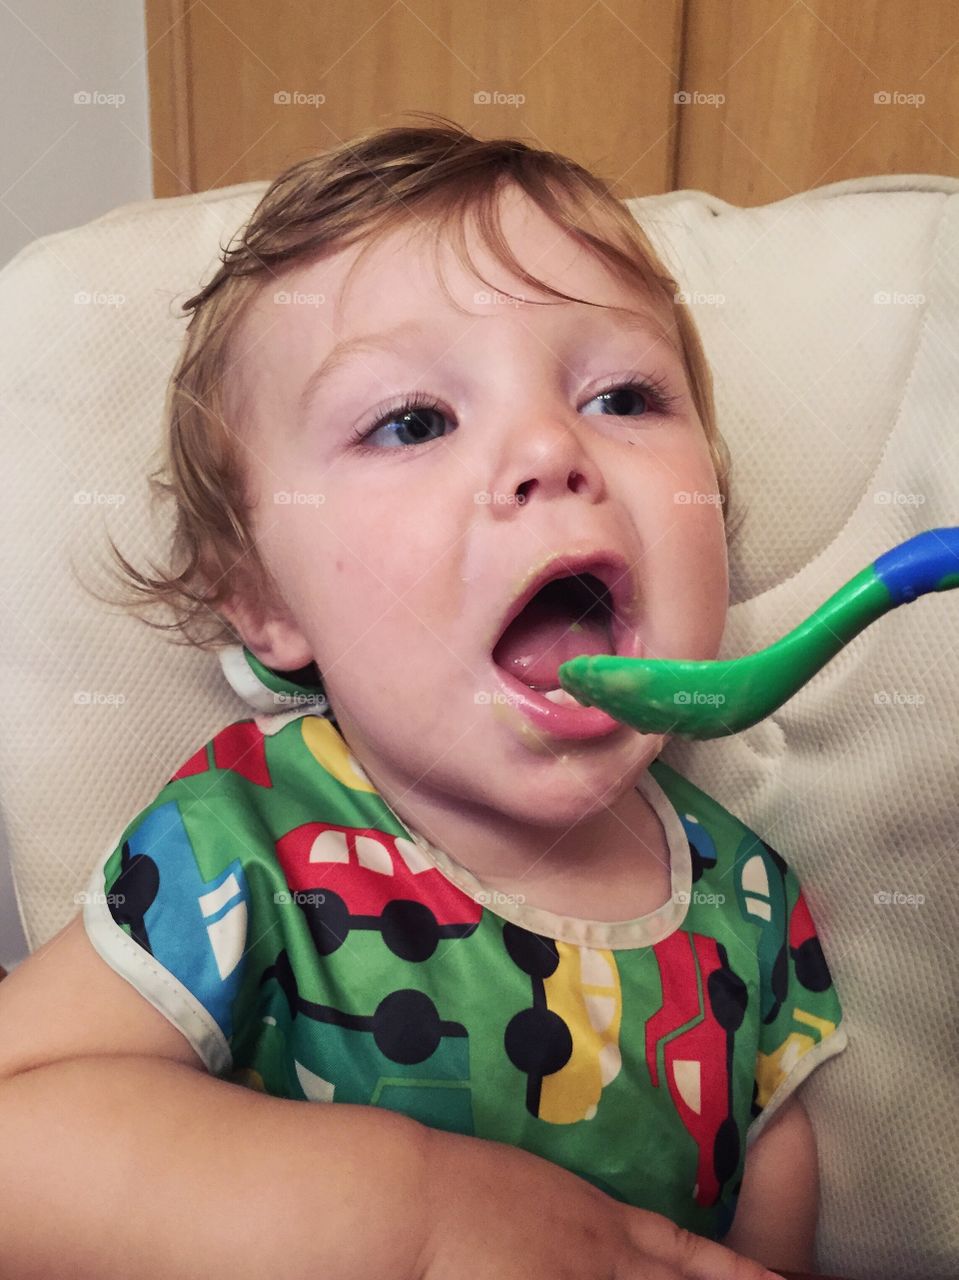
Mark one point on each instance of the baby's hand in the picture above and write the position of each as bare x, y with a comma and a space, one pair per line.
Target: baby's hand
499, 1213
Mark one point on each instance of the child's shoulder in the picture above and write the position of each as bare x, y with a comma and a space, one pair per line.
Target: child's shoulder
267, 769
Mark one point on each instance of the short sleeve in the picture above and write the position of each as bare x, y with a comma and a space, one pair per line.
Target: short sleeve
801, 1018
174, 933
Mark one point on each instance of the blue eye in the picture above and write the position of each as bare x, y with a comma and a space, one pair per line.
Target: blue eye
619, 397
416, 414
412, 416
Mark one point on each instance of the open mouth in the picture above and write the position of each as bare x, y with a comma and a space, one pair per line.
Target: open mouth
567, 617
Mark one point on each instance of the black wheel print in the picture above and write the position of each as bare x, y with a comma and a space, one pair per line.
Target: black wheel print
327, 918
282, 970
538, 1042
406, 1027
530, 952
778, 983
728, 997
697, 861
811, 968
133, 893
726, 1150
409, 929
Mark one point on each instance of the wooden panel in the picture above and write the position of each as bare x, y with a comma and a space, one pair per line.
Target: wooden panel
598, 81
168, 64
799, 79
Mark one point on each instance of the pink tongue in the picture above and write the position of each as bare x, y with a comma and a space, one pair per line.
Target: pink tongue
536, 643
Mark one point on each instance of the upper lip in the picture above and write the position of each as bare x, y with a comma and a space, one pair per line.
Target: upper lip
610, 567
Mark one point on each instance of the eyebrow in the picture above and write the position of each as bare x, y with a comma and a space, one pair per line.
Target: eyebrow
389, 339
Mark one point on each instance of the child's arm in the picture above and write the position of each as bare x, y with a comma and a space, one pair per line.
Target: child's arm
117, 1167
120, 1155
778, 1204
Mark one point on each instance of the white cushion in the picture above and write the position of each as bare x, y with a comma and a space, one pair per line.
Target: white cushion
838, 409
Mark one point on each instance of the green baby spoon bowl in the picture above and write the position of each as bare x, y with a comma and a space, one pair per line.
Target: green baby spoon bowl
713, 699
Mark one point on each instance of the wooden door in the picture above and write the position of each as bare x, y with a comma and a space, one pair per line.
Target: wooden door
749, 99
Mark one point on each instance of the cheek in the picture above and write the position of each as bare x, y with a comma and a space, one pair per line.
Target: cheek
370, 573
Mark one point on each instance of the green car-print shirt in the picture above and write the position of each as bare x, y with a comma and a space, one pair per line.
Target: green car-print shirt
273, 906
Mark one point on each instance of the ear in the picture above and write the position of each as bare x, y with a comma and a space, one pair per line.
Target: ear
269, 630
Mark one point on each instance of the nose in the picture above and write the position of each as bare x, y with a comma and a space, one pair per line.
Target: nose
549, 462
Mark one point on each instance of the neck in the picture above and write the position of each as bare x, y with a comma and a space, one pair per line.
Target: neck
624, 837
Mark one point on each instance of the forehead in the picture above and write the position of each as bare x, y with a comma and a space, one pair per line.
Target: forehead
412, 273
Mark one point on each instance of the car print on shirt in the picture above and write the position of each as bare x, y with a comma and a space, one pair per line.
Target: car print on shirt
702, 847
345, 878
689, 1047
402, 1055
195, 928
239, 748
567, 1042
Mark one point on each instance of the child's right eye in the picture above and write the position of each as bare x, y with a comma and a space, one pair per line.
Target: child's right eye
410, 415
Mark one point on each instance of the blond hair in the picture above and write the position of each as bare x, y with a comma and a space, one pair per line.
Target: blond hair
357, 192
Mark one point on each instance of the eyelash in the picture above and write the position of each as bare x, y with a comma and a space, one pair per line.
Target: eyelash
654, 390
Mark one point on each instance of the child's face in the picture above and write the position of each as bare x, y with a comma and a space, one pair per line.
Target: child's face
398, 564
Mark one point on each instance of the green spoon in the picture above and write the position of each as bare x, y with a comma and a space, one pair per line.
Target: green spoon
712, 699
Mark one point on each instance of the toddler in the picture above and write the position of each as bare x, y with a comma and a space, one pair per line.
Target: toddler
440, 424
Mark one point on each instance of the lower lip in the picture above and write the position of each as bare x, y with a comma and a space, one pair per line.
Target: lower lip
565, 721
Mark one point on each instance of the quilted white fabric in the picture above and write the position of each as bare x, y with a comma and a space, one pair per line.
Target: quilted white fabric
838, 408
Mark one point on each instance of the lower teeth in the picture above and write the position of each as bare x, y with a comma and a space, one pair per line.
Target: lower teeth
561, 697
